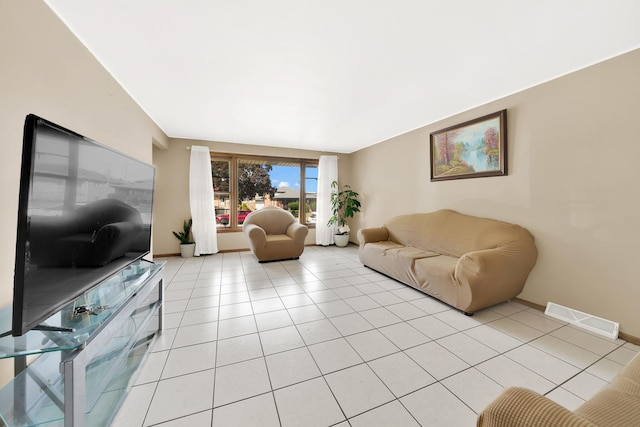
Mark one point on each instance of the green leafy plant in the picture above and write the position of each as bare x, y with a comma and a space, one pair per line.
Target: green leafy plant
344, 203
184, 235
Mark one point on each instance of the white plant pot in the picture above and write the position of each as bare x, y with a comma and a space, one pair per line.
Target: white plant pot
341, 240
187, 250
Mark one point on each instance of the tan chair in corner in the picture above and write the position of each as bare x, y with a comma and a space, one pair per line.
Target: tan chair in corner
616, 405
274, 234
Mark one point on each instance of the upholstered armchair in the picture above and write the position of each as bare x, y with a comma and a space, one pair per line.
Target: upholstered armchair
274, 234
617, 404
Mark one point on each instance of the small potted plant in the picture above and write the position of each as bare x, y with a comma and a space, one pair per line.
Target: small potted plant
187, 247
344, 203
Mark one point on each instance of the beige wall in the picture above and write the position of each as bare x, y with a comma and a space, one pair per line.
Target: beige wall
573, 182
45, 70
171, 204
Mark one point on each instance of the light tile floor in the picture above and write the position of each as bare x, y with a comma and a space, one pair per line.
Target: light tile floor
324, 341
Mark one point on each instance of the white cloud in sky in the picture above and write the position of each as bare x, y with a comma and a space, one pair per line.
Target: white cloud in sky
283, 184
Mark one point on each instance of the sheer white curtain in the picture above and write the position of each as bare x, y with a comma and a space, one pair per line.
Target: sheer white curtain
327, 173
201, 199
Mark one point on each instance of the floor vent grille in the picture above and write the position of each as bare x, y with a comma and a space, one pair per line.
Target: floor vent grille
592, 323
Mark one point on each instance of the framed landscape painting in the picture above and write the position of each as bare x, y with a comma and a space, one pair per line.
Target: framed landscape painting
471, 149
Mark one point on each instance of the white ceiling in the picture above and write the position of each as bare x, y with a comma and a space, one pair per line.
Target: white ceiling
337, 75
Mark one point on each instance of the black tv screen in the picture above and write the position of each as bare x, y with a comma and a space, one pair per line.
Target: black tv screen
84, 213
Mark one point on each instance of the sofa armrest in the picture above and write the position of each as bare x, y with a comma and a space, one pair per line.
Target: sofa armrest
256, 235
298, 232
373, 234
495, 275
521, 407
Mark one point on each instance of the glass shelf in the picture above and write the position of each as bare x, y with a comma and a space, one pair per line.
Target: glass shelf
107, 347
104, 300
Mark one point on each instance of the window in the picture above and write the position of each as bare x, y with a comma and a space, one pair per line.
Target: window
220, 171
243, 184
311, 192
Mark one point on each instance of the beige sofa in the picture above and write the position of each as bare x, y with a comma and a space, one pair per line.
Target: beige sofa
617, 405
274, 234
467, 262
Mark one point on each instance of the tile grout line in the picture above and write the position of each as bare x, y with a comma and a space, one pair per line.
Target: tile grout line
298, 276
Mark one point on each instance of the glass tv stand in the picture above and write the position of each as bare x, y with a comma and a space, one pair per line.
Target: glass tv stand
80, 378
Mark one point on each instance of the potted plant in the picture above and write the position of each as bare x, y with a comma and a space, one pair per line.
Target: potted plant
344, 203
187, 247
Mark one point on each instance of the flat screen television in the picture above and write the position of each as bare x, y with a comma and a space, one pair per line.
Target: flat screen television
84, 213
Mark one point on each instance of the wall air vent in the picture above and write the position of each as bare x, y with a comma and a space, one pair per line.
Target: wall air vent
589, 322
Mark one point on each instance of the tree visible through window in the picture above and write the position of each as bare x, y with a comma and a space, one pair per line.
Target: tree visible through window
254, 180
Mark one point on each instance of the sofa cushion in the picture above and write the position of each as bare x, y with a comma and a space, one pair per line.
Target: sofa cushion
394, 259
436, 277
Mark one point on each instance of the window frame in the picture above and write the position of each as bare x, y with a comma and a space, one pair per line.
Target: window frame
234, 158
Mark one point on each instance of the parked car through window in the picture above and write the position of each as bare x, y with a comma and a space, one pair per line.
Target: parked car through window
223, 219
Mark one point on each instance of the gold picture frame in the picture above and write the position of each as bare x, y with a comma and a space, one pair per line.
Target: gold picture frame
473, 149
